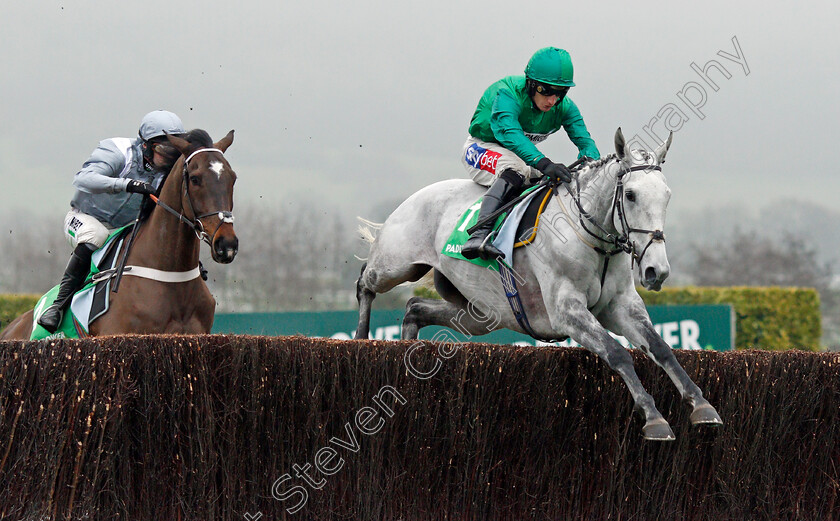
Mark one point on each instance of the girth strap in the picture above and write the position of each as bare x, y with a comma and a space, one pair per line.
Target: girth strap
515, 301
151, 273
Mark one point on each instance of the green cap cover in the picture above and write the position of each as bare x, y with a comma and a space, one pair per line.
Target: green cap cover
551, 65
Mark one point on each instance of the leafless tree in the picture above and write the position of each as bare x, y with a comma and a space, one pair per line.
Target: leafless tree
786, 259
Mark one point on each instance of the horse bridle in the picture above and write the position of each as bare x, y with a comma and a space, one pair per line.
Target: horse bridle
195, 222
621, 242
618, 206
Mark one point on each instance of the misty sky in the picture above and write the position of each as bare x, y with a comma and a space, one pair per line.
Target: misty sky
365, 102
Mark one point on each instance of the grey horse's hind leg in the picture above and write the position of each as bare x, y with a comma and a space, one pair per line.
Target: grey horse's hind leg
365, 298
372, 281
422, 312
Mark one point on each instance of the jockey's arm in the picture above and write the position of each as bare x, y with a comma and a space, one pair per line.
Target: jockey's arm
504, 122
101, 172
576, 129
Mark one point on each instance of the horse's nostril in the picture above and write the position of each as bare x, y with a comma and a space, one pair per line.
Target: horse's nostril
650, 274
226, 249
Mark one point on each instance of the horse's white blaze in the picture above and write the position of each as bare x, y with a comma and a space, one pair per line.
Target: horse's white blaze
217, 167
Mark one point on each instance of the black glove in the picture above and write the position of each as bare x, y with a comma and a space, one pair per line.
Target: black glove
557, 171
139, 187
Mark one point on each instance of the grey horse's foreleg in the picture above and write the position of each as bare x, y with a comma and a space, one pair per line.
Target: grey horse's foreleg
634, 324
365, 298
586, 330
660, 352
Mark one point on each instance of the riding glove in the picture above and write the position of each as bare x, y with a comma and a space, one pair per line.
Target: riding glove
139, 187
557, 171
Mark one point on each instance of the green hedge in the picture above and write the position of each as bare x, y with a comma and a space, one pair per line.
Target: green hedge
13, 305
772, 318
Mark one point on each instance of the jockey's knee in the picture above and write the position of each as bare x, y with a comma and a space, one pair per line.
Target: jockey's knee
512, 177
94, 238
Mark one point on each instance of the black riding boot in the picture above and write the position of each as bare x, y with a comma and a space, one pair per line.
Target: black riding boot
503, 189
72, 280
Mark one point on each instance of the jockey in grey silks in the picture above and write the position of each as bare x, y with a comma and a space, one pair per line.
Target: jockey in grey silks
109, 192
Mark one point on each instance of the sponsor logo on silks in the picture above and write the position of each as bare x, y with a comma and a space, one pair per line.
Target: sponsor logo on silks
75, 223
482, 159
537, 138
453, 248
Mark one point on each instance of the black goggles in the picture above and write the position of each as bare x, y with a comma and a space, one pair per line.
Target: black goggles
551, 90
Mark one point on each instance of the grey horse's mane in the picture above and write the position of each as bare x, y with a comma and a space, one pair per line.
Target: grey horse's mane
598, 163
590, 171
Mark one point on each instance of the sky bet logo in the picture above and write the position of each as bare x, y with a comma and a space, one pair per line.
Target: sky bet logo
482, 159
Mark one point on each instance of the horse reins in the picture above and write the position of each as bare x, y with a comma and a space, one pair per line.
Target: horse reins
621, 242
195, 222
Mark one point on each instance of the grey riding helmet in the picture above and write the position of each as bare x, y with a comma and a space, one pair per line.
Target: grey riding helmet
158, 123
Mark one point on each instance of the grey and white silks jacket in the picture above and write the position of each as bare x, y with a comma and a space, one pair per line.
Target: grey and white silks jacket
100, 184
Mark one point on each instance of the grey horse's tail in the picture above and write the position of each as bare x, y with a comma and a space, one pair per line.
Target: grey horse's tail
367, 232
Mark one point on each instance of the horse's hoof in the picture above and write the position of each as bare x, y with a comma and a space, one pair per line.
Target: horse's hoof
658, 430
705, 414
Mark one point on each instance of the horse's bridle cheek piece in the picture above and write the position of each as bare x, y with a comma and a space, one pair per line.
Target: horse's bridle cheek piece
195, 221
624, 241
621, 241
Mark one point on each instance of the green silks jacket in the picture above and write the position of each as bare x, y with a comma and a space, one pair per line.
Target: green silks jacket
507, 116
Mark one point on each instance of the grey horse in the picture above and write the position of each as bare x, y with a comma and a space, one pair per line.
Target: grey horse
575, 280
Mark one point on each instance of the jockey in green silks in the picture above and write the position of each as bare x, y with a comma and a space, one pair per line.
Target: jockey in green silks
512, 116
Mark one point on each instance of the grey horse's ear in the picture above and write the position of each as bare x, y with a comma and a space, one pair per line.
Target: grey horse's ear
662, 149
620, 144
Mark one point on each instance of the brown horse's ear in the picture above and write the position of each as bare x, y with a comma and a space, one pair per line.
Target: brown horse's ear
225, 142
180, 143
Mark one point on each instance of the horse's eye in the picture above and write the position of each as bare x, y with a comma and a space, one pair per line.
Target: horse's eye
195, 180
631, 196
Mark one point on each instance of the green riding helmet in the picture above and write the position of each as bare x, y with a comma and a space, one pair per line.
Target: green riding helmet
551, 65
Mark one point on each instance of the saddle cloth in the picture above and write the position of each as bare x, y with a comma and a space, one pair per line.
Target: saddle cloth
512, 229
90, 302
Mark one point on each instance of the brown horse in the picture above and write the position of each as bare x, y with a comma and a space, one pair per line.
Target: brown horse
166, 293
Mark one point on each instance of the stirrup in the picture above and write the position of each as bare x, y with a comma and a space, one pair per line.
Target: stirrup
482, 250
489, 255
